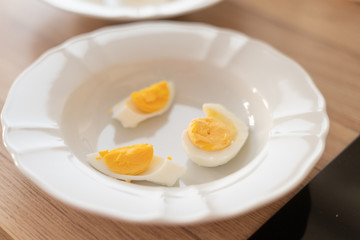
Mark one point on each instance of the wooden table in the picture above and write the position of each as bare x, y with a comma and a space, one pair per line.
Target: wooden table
322, 35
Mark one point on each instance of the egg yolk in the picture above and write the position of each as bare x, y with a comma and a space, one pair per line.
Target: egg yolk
153, 98
215, 114
209, 133
130, 160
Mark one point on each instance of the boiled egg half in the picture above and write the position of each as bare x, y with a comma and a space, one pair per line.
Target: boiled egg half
136, 163
145, 103
215, 139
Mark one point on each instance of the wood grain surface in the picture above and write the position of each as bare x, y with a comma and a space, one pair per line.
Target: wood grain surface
322, 35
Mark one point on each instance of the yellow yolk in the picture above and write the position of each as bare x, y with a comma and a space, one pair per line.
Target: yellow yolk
130, 160
153, 98
209, 133
215, 114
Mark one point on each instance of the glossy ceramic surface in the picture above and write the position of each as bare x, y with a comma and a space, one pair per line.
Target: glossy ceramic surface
57, 112
131, 9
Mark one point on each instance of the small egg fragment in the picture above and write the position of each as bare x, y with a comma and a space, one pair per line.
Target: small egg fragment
145, 103
215, 139
136, 163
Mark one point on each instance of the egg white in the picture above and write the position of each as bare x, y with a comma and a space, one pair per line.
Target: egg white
130, 116
216, 158
160, 171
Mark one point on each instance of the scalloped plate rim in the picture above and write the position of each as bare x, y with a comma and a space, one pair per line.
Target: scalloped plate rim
276, 194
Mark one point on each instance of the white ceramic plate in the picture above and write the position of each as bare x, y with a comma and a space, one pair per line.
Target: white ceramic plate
57, 112
131, 9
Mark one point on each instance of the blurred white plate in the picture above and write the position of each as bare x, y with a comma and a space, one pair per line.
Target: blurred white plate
57, 112
131, 9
